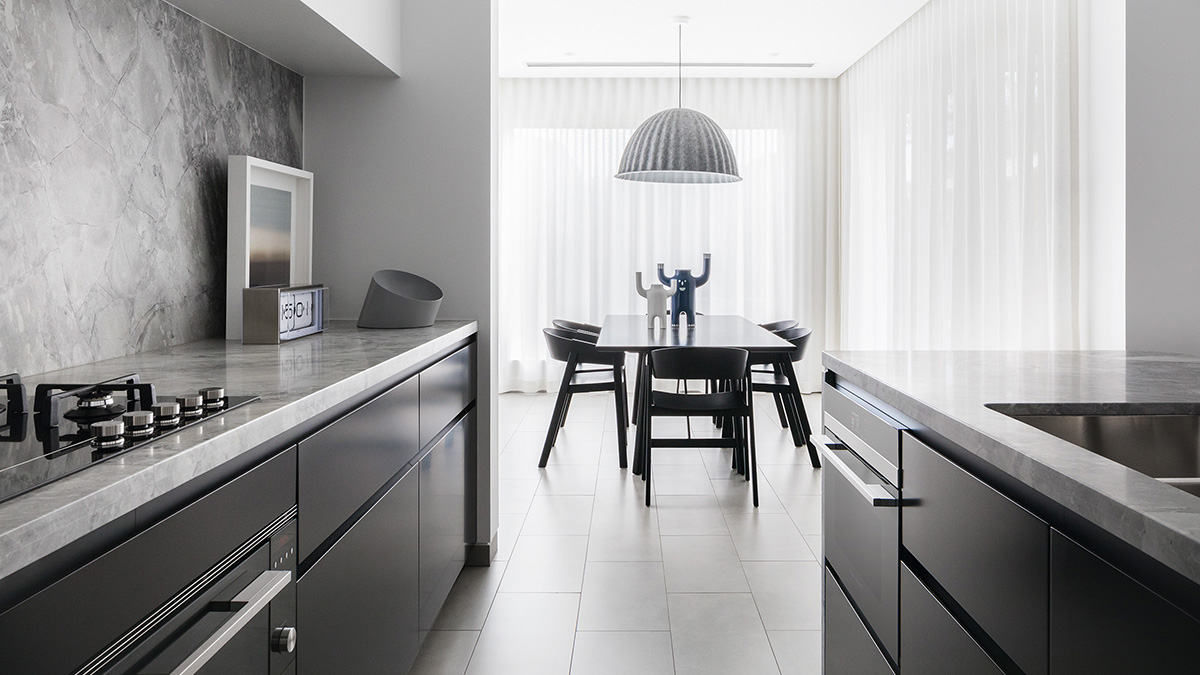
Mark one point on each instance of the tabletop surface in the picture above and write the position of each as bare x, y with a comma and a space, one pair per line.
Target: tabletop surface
628, 332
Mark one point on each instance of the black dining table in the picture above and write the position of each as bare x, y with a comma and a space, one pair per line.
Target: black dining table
629, 333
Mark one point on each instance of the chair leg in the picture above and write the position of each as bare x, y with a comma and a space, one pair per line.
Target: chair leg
622, 441
801, 415
637, 388
625, 395
560, 410
753, 458
639, 415
649, 443
813, 455
795, 427
565, 409
779, 409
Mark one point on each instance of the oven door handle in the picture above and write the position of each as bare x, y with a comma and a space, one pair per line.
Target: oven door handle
248, 603
875, 494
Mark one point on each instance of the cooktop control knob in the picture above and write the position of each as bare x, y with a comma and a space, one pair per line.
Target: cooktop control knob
214, 398
108, 435
283, 640
138, 423
190, 406
166, 415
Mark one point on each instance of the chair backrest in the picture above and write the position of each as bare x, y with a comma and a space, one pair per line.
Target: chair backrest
780, 325
577, 326
699, 363
562, 343
798, 338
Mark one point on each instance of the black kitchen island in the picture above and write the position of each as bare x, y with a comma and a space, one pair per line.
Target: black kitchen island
960, 538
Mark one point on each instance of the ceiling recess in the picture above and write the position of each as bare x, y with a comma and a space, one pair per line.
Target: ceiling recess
660, 64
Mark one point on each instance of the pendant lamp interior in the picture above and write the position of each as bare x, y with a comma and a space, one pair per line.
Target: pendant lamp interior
679, 145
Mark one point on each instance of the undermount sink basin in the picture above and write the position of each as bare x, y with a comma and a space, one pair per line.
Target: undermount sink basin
1164, 446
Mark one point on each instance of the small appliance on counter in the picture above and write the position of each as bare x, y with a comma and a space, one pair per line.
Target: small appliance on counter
400, 300
275, 314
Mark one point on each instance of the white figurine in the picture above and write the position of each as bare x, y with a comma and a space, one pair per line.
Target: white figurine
656, 301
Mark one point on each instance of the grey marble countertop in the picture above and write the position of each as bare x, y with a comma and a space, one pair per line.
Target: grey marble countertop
295, 381
948, 392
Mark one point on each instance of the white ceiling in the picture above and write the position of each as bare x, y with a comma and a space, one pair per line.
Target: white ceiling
833, 34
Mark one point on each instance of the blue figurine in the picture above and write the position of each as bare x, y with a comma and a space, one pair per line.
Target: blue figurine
684, 300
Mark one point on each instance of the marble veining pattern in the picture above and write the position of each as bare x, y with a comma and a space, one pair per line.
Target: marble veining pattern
295, 381
949, 392
116, 119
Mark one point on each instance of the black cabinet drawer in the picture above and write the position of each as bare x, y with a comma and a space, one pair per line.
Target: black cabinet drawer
447, 387
849, 649
1102, 621
988, 553
59, 629
862, 543
443, 474
357, 605
933, 642
865, 429
344, 464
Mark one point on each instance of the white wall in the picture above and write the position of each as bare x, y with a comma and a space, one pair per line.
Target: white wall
1163, 195
404, 178
373, 24
1102, 174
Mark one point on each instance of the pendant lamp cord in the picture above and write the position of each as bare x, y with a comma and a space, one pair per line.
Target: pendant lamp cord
681, 65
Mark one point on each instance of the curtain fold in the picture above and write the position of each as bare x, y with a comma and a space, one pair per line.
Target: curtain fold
959, 181
571, 236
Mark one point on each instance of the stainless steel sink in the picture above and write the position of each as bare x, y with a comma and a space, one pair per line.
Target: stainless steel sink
1163, 446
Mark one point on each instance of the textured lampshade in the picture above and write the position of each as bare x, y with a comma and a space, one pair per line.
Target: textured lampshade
679, 145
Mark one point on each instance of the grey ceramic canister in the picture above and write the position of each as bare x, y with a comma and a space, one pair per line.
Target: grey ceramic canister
398, 299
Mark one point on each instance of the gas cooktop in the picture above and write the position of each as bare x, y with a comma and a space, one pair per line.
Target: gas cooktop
70, 427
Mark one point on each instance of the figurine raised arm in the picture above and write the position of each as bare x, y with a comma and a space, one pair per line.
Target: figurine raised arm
656, 301
684, 299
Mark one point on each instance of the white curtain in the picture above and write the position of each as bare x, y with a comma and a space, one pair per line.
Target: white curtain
959, 194
571, 236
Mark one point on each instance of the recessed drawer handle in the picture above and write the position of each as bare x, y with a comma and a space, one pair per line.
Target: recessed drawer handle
875, 494
257, 595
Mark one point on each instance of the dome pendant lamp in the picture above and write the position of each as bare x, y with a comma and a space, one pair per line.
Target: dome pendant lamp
679, 145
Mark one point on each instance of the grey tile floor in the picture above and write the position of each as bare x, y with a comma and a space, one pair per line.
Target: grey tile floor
589, 581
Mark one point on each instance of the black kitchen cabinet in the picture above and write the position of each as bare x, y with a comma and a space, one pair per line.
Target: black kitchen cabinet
357, 605
933, 642
1103, 621
447, 388
443, 515
377, 569
988, 553
849, 649
343, 465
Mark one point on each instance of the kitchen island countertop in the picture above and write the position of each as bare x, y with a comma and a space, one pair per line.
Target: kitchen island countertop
948, 392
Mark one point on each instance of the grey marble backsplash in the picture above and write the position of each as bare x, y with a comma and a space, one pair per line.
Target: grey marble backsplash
116, 121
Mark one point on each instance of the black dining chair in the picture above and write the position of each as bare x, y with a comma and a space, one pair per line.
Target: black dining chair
776, 375
734, 404
589, 331
782, 324
565, 346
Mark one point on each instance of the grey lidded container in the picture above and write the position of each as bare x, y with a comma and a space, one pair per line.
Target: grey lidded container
398, 299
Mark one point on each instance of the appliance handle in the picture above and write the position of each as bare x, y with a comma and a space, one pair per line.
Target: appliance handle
252, 599
875, 494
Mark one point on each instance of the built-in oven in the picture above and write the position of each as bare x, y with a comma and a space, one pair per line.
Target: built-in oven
239, 621
861, 489
207, 584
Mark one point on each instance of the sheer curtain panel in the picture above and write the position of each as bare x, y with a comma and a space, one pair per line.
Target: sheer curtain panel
572, 236
959, 181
